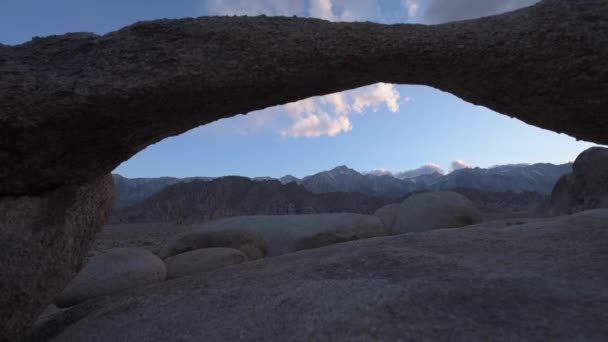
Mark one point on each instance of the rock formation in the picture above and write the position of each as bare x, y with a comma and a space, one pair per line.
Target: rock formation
75, 106
284, 233
586, 187
253, 244
116, 270
535, 281
429, 210
43, 242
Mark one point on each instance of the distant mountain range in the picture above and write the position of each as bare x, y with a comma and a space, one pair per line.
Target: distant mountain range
133, 190
516, 178
201, 201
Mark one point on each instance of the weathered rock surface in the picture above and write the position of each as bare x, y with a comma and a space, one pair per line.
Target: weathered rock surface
388, 214
202, 260
586, 187
429, 210
114, 271
252, 243
87, 102
43, 241
536, 281
286, 233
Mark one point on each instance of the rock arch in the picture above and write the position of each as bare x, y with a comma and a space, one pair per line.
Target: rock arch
73, 107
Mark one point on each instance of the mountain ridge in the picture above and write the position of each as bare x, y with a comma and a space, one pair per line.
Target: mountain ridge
538, 177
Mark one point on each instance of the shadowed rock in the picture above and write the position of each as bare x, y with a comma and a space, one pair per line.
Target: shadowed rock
113, 271
535, 281
429, 210
252, 244
73, 107
586, 187
282, 233
43, 241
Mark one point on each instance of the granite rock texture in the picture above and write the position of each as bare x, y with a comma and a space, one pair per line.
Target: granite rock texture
43, 242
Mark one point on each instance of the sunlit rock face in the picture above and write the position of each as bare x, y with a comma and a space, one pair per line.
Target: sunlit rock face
87, 102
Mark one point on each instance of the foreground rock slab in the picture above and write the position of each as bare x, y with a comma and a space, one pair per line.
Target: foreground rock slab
89, 102
114, 271
544, 280
43, 241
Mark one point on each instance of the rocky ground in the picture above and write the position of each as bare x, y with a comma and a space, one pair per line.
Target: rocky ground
538, 280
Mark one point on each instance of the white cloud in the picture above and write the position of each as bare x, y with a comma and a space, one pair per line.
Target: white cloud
379, 172
338, 101
412, 7
426, 169
381, 93
329, 114
321, 9
459, 164
318, 124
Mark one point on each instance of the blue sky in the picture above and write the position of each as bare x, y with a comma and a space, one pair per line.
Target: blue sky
394, 127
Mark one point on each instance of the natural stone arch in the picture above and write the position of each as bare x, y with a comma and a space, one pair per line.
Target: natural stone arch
73, 107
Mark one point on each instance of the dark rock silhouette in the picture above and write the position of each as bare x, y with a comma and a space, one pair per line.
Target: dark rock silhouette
133, 190
586, 187
43, 242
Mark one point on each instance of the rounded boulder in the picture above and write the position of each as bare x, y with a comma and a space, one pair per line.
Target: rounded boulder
434, 210
252, 244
